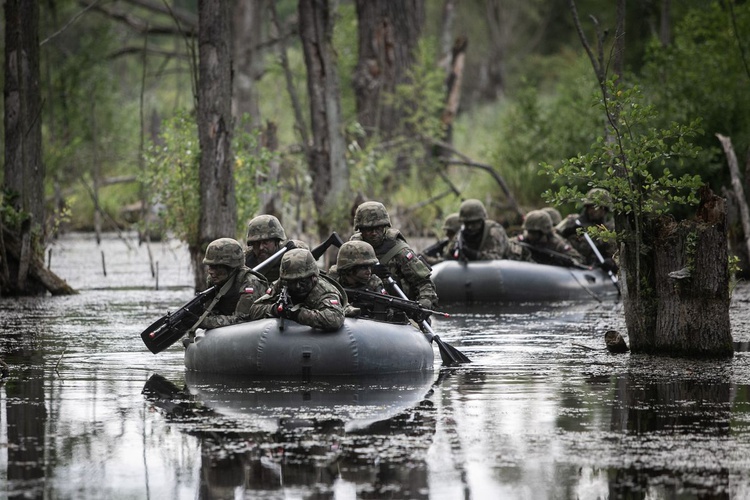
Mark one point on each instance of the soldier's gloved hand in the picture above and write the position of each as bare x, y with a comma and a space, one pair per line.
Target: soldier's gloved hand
470, 253
425, 303
290, 313
609, 265
290, 245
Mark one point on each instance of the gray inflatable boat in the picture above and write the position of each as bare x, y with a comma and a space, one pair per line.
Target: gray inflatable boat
498, 281
269, 347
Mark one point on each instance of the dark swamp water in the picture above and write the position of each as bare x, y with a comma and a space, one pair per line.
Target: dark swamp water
89, 413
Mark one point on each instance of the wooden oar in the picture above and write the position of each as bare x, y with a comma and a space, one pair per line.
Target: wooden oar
449, 354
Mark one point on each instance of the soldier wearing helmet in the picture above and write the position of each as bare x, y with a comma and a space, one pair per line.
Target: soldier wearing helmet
597, 205
480, 238
314, 299
540, 243
441, 250
353, 268
373, 225
237, 285
265, 237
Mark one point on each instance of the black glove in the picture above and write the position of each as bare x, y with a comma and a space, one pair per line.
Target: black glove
609, 265
290, 245
470, 253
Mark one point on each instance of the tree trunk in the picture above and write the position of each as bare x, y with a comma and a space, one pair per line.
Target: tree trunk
680, 304
247, 36
218, 204
326, 157
389, 31
22, 243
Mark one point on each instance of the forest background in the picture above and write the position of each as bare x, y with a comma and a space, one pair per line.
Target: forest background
119, 97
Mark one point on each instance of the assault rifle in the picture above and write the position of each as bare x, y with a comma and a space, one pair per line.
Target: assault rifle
282, 305
436, 249
411, 308
560, 257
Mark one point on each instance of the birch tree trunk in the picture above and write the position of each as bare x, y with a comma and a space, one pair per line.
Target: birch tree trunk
326, 156
218, 217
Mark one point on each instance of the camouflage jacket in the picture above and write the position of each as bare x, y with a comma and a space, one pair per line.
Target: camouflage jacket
568, 229
490, 245
545, 252
234, 306
410, 273
323, 308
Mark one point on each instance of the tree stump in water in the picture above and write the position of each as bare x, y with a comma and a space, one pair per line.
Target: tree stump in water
683, 294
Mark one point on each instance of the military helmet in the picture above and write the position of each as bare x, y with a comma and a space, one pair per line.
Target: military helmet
538, 220
226, 252
452, 223
355, 253
371, 214
298, 263
554, 214
264, 227
472, 210
599, 197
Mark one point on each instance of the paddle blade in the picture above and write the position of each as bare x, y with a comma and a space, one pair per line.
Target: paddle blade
449, 354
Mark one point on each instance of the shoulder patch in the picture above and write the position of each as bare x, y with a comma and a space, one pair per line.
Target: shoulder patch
409, 255
249, 290
334, 302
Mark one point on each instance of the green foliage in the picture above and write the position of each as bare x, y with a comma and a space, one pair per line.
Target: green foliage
634, 163
704, 74
172, 175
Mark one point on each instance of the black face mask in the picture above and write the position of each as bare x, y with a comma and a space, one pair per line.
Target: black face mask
302, 287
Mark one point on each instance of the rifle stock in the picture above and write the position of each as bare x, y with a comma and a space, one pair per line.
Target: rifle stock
282, 305
436, 249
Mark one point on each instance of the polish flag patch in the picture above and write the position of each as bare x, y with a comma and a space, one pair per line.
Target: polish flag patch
268, 291
250, 290
334, 302
409, 256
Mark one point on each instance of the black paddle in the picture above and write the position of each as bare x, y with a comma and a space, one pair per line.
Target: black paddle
449, 354
171, 327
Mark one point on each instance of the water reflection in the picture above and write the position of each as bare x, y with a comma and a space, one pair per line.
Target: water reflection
534, 416
315, 439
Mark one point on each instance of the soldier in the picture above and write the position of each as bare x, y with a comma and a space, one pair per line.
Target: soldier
265, 237
480, 238
540, 243
238, 286
554, 214
373, 225
302, 294
441, 250
596, 208
353, 268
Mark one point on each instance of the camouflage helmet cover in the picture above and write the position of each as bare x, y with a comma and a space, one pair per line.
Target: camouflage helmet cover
371, 214
472, 210
226, 252
355, 253
554, 214
452, 223
264, 227
538, 220
298, 263
598, 197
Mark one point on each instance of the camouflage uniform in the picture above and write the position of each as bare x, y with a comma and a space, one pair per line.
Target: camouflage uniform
243, 286
489, 244
542, 250
568, 228
322, 308
410, 273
